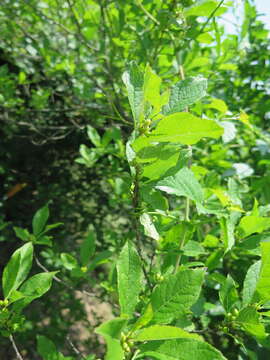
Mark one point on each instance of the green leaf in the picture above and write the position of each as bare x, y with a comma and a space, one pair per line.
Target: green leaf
184, 93
218, 104
40, 219
262, 293
205, 8
228, 294
51, 227
180, 349
193, 248
151, 89
17, 269
250, 282
183, 183
33, 288
249, 320
154, 198
175, 295
114, 349
182, 128
88, 247
23, 234
99, 259
149, 227
253, 224
162, 332
69, 261
93, 135
227, 225
47, 350
158, 159
129, 276
113, 328
111, 331
133, 79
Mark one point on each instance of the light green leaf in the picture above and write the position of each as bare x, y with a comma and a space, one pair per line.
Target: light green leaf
250, 282
228, 294
133, 79
227, 225
93, 135
162, 332
262, 293
184, 93
183, 183
34, 288
193, 248
205, 8
180, 349
87, 248
253, 224
151, 89
23, 234
17, 269
149, 227
40, 219
111, 331
219, 105
144, 319
68, 261
113, 328
114, 349
129, 275
175, 295
249, 320
182, 128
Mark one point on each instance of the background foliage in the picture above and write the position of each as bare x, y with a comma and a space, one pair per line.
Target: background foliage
65, 120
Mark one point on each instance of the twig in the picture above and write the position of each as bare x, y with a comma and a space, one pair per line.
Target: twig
187, 205
19, 356
57, 279
74, 348
210, 17
80, 33
147, 13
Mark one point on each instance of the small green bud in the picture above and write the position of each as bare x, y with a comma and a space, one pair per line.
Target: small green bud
84, 269
126, 347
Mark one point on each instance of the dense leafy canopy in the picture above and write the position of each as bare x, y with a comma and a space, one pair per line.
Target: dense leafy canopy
135, 184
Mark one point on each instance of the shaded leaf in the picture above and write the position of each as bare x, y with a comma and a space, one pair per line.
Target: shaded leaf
40, 219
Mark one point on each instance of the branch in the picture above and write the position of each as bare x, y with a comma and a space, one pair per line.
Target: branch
19, 356
210, 17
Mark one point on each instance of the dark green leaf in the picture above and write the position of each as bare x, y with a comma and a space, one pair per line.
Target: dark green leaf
40, 219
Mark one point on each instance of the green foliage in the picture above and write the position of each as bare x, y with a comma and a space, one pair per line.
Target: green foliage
166, 217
